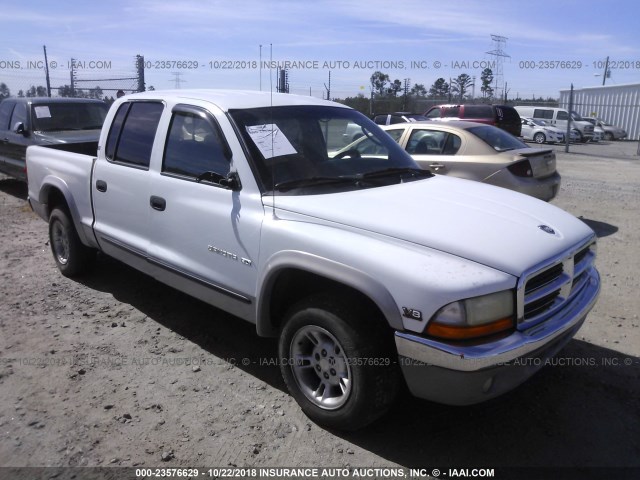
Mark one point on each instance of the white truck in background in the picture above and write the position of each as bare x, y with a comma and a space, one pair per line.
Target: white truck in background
558, 117
370, 271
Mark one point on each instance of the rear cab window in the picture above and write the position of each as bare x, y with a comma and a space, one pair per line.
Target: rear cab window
133, 132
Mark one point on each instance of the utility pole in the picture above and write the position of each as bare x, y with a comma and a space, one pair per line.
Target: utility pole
568, 132
140, 68
407, 85
260, 67
606, 71
73, 80
328, 89
46, 71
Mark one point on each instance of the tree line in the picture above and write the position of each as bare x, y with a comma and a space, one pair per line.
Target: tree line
458, 89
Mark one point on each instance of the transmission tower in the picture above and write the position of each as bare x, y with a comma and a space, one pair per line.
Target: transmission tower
177, 80
499, 54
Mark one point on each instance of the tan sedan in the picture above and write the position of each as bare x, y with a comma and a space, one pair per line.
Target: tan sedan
476, 152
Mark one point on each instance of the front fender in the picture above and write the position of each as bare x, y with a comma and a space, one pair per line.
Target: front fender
326, 268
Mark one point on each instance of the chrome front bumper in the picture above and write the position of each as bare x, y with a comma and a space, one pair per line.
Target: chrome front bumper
464, 375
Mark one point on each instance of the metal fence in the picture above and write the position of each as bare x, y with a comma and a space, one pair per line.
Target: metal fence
72, 78
615, 104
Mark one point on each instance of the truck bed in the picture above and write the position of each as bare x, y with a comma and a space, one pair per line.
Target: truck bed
48, 166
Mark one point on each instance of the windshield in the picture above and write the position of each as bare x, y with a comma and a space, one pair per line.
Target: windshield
577, 117
48, 117
311, 149
496, 138
535, 121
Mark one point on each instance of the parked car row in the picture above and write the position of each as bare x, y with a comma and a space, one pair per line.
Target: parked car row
534, 123
609, 132
540, 132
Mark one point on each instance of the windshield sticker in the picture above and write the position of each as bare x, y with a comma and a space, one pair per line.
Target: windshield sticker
42, 112
270, 140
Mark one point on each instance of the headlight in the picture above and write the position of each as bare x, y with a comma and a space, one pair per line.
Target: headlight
474, 317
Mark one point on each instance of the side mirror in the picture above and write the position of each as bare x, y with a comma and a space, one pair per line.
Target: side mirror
19, 129
231, 181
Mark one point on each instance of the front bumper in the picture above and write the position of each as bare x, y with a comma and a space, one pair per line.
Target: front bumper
464, 375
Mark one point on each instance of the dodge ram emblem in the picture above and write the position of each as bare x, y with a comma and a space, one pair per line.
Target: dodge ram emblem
547, 229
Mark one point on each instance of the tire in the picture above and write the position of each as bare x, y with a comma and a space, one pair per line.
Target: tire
608, 136
338, 362
539, 138
71, 256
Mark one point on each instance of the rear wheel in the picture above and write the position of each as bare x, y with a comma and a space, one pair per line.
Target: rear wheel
337, 362
70, 255
539, 138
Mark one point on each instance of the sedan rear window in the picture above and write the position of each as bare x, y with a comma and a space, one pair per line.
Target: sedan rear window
496, 138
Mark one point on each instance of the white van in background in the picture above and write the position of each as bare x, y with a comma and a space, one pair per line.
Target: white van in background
558, 117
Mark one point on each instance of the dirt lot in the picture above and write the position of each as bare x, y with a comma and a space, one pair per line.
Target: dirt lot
118, 370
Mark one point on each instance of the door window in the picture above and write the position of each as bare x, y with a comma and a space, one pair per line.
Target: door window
195, 146
19, 116
426, 142
6, 108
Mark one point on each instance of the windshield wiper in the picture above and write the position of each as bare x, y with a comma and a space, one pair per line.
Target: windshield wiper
415, 172
313, 181
355, 179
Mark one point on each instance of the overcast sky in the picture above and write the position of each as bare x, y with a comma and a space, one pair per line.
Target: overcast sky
419, 40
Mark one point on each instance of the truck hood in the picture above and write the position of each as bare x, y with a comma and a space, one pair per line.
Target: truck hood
67, 136
493, 226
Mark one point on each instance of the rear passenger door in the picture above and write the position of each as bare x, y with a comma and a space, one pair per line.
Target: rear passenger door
205, 233
120, 183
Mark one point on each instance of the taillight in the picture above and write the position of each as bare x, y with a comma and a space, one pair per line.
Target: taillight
521, 169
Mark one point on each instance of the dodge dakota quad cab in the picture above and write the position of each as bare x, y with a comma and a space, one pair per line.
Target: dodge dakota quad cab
74, 123
369, 270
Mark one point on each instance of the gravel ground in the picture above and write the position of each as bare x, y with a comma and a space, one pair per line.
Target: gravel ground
116, 369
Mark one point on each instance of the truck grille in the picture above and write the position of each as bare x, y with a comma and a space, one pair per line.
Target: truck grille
545, 290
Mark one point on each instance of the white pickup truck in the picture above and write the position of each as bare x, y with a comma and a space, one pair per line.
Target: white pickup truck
370, 271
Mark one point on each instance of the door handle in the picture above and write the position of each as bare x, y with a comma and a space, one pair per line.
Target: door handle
158, 203
101, 185
436, 166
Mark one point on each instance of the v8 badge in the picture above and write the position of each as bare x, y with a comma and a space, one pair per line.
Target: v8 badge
411, 313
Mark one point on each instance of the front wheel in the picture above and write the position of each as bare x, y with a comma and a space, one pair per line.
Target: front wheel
608, 136
71, 256
337, 362
539, 138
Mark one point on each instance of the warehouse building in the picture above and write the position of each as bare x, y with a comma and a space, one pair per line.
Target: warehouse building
615, 104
